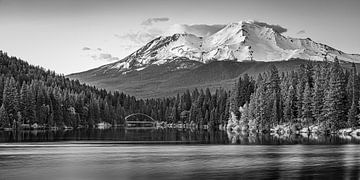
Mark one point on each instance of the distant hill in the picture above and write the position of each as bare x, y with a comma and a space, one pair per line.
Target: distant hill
166, 80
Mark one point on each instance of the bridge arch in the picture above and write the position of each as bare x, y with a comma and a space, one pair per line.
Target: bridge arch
137, 114
151, 122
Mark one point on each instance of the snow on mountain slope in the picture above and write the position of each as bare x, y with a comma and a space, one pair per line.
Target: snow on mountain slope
200, 30
160, 51
245, 40
248, 40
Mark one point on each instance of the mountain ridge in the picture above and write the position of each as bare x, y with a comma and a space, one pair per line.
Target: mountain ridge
242, 41
165, 80
170, 64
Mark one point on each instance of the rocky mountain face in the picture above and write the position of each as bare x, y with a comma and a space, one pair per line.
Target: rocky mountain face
179, 54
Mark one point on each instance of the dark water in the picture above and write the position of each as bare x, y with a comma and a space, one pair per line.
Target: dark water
174, 154
59, 161
171, 136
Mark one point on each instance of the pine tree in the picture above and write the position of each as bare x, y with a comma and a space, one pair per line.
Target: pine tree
235, 93
352, 116
290, 105
252, 113
335, 100
207, 116
199, 116
175, 114
300, 86
212, 120
353, 92
4, 118
261, 111
307, 115
23, 103
318, 94
276, 96
244, 120
10, 100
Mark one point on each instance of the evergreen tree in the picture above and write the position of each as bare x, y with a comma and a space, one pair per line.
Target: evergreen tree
335, 100
307, 115
318, 94
212, 120
352, 116
10, 100
244, 120
276, 96
353, 92
4, 118
290, 105
175, 114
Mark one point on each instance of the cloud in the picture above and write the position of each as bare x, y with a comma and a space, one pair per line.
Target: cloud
201, 30
86, 48
151, 21
276, 28
137, 37
133, 39
105, 57
301, 32
140, 38
108, 57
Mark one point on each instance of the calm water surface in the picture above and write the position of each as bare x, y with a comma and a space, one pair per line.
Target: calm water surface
186, 154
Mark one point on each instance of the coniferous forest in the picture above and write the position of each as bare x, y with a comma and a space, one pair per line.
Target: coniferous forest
316, 96
33, 95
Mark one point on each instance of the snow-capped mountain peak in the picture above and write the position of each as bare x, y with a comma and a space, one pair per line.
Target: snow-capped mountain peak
240, 41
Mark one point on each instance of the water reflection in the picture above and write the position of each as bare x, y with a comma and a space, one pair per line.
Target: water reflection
172, 135
59, 160
271, 139
169, 135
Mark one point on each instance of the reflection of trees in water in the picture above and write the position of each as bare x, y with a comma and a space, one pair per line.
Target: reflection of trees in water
269, 139
119, 134
174, 135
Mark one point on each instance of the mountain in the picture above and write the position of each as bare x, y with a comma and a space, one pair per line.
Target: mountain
168, 64
166, 80
245, 40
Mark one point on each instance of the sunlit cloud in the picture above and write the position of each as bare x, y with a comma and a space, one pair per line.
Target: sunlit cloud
151, 21
276, 28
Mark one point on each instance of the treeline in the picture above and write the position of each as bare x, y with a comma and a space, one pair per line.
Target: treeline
31, 94
323, 95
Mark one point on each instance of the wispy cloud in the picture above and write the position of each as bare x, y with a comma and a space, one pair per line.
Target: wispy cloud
134, 39
301, 32
201, 30
98, 55
151, 21
139, 37
105, 57
275, 27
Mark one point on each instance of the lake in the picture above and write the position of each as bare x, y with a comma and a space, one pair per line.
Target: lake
174, 154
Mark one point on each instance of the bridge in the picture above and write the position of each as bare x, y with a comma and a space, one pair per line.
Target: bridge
140, 120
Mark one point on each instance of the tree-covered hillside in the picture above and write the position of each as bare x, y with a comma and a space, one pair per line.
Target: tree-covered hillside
318, 97
31, 94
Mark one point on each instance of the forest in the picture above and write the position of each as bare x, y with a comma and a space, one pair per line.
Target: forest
323, 94
33, 95
316, 97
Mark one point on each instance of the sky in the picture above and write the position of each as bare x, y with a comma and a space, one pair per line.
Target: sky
70, 36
